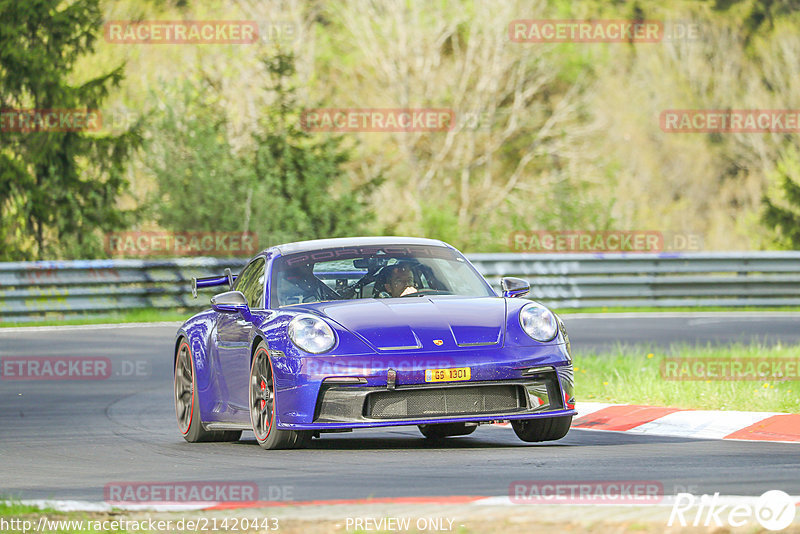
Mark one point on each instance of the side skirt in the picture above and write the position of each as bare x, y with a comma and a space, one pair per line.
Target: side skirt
227, 426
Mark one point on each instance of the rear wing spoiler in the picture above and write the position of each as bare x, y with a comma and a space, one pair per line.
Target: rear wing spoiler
212, 281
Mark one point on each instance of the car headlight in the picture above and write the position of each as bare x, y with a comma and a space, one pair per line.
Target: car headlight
538, 322
311, 334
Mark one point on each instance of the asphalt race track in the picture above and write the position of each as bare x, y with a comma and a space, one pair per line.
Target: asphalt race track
69, 439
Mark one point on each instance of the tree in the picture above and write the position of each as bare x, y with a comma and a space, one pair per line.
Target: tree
301, 189
201, 181
784, 217
293, 187
519, 131
58, 189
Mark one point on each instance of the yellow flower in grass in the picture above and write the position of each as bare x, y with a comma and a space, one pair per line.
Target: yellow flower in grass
650, 355
605, 383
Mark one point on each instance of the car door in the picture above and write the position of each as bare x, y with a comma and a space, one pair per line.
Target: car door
233, 342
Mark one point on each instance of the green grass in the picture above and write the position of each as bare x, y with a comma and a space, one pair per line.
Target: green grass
132, 316
634, 376
11, 507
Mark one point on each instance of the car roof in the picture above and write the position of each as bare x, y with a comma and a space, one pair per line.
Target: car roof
321, 244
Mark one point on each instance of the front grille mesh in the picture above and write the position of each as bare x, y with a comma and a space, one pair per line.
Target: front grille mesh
444, 401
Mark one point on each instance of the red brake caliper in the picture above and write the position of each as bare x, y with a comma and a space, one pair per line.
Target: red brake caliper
263, 387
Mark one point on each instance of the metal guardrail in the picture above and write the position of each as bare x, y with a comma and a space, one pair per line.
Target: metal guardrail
727, 279
29, 290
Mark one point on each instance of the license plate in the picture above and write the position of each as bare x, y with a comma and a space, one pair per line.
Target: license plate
447, 375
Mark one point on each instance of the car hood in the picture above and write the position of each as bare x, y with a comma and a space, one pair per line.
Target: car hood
416, 323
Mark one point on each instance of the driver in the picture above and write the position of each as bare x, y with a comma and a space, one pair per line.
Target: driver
399, 282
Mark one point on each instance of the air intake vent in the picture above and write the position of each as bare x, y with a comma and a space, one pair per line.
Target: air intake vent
473, 400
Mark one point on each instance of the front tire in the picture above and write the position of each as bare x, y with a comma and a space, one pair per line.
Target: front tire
187, 404
544, 429
263, 408
446, 430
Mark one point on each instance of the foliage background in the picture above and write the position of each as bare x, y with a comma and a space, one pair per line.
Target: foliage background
550, 136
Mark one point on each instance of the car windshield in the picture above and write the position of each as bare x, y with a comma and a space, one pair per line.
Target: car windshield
373, 272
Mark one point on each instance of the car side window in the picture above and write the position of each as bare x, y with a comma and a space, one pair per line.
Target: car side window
241, 280
251, 284
257, 301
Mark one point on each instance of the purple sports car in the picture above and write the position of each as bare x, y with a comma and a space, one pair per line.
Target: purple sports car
338, 334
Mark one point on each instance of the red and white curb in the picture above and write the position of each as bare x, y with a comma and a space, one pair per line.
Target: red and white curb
703, 424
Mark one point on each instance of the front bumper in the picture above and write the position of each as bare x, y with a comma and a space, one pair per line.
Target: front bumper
548, 392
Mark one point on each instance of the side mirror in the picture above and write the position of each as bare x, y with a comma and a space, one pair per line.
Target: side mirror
230, 302
514, 287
